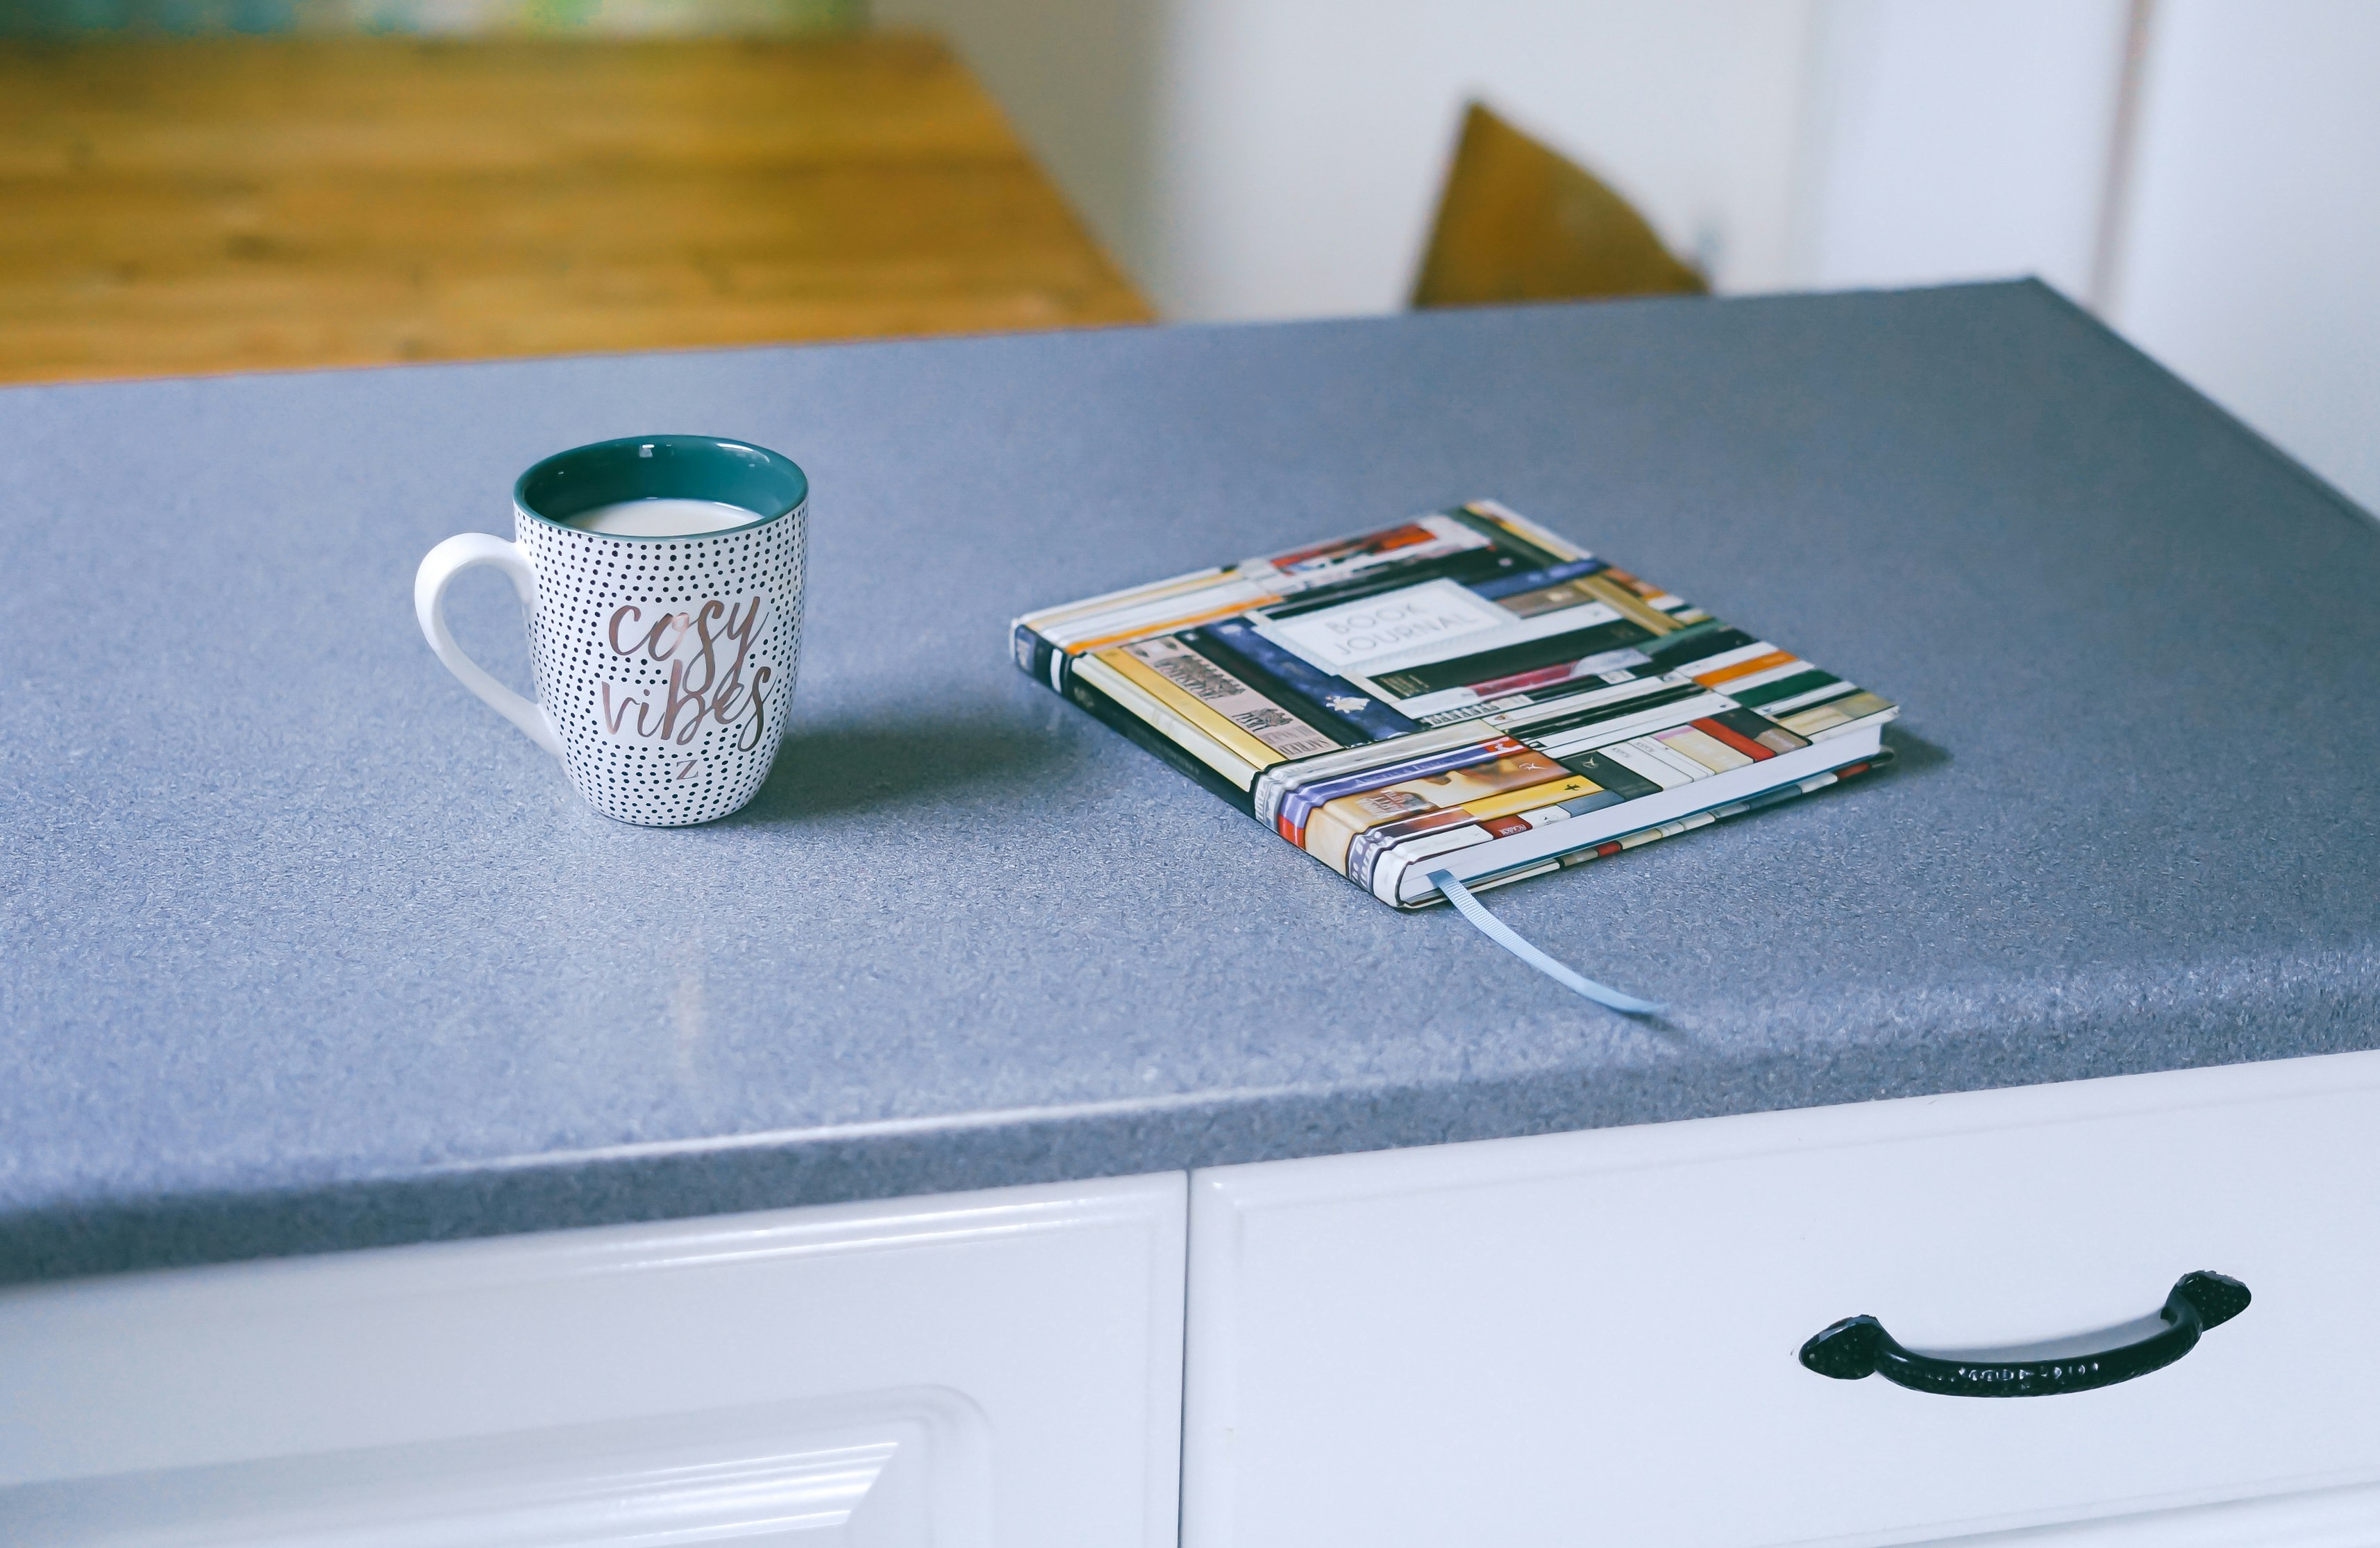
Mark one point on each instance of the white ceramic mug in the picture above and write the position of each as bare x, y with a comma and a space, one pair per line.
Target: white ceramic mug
663, 659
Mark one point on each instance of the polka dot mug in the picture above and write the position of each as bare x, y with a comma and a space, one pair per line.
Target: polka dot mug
662, 579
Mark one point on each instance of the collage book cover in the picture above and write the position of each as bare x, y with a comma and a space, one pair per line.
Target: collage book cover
1466, 693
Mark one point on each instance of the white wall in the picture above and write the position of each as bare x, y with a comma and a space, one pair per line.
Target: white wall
2250, 246
1306, 140
1283, 158
1078, 79
1953, 140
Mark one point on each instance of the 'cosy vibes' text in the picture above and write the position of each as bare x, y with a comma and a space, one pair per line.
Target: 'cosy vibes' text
708, 651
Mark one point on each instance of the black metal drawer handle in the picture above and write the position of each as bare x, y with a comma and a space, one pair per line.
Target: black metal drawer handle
1859, 1347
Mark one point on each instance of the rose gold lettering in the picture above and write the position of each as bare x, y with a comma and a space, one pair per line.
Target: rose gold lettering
614, 718
727, 703
653, 648
611, 718
759, 711
742, 632
729, 695
709, 650
679, 701
628, 612
699, 690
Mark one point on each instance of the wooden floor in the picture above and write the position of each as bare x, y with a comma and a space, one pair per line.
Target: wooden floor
242, 204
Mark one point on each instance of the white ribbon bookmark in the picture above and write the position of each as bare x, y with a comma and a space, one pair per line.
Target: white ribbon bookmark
1503, 935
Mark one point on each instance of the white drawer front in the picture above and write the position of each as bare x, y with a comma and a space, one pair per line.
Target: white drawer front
968, 1370
1591, 1338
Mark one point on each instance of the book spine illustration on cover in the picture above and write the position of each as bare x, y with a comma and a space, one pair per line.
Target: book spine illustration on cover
1466, 692
1637, 839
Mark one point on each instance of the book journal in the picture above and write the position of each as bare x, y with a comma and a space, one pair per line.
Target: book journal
1466, 695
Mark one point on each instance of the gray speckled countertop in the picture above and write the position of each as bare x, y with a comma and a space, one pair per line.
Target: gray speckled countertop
301, 948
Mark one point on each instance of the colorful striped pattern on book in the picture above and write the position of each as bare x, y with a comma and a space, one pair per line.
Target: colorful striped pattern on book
1467, 689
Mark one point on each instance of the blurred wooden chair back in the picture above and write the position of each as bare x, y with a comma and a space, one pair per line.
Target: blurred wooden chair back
1518, 222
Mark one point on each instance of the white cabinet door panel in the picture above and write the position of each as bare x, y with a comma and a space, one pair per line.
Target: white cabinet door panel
976, 1370
1591, 1338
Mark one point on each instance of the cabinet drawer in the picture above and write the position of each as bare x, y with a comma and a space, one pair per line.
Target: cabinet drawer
1592, 1338
965, 1371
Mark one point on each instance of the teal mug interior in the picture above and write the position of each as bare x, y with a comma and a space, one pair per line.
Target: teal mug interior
663, 467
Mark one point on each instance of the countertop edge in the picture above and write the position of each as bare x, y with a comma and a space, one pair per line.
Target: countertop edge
632, 1184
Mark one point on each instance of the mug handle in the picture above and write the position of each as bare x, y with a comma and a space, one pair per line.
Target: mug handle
439, 568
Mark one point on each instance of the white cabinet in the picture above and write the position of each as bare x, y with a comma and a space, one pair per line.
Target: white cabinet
1581, 1339
1591, 1338
987, 1369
